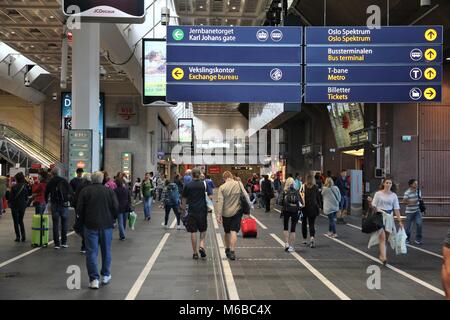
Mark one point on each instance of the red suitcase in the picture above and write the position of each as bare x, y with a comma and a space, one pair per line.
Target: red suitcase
248, 228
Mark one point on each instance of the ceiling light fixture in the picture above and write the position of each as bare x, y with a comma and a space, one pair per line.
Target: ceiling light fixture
233, 8
201, 7
52, 17
13, 32
448, 58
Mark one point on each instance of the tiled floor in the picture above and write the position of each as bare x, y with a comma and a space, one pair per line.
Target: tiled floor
262, 271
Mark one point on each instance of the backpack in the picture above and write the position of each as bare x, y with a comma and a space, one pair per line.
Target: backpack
291, 202
173, 197
147, 188
63, 194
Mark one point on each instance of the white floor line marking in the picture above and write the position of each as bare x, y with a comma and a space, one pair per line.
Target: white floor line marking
27, 253
403, 273
215, 223
173, 224
341, 295
229, 279
259, 222
146, 271
409, 245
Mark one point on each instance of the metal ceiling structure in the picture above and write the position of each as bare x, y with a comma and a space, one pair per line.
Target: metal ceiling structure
35, 28
222, 12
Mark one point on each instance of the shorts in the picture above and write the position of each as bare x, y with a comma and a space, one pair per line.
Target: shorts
232, 223
294, 216
196, 223
343, 205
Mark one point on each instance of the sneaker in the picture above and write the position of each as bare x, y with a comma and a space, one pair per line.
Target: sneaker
334, 235
57, 247
202, 252
418, 242
232, 256
286, 247
291, 249
312, 244
65, 246
330, 234
106, 279
227, 252
94, 284
304, 242
83, 251
122, 239
179, 227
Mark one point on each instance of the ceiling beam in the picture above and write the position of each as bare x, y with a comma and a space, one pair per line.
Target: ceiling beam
6, 40
30, 25
30, 7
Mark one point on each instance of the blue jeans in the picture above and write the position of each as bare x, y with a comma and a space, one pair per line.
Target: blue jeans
122, 219
332, 222
148, 207
94, 238
417, 217
58, 213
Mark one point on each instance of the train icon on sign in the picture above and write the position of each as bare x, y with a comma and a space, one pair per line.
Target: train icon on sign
262, 35
416, 54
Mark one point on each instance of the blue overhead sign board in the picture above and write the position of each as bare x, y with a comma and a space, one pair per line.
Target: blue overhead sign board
234, 64
358, 64
402, 54
364, 35
378, 74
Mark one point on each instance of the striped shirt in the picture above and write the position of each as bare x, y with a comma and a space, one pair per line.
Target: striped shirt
413, 201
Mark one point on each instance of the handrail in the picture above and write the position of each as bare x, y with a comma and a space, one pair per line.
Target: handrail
17, 137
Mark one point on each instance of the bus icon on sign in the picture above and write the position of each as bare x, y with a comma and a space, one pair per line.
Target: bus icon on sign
262, 35
276, 35
416, 54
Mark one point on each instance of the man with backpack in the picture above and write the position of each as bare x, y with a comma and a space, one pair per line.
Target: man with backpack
171, 200
60, 194
147, 188
292, 204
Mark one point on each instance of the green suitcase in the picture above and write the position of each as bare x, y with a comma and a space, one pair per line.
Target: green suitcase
39, 231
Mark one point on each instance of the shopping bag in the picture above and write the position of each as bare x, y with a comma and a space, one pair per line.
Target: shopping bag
132, 217
400, 242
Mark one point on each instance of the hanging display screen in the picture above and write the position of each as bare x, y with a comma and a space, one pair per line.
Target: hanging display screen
345, 118
154, 70
185, 130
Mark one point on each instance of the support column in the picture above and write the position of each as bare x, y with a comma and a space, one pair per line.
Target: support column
86, 84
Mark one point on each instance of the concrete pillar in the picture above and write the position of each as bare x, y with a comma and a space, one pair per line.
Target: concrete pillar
86, 84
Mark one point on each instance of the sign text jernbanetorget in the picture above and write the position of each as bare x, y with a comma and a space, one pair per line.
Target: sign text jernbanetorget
234, 64
358, 64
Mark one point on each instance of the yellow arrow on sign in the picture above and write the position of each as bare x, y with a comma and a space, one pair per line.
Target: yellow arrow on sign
177, 73
430, 73
431, 34
430, 54
430, 94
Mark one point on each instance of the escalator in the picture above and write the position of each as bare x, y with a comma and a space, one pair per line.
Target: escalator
17, 148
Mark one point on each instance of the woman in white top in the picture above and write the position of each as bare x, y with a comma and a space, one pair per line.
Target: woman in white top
386, 201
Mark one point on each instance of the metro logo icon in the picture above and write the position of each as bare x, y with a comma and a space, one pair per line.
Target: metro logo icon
262, 35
